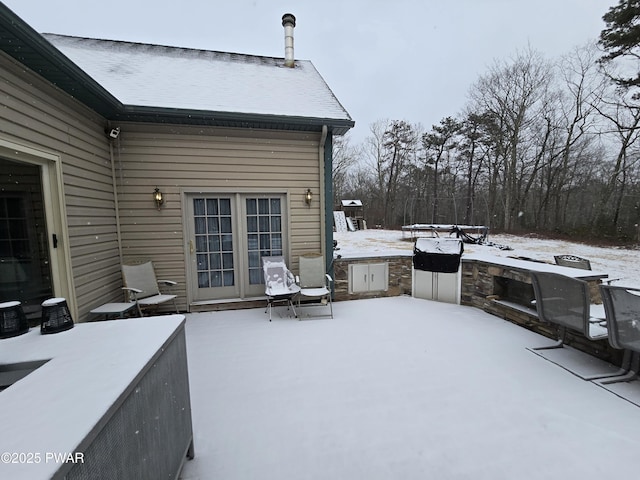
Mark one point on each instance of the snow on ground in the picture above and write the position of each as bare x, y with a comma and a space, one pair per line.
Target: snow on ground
402, 388
620, 263
395, 388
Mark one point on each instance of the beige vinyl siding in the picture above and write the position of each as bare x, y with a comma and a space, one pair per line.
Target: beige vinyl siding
182, 160
37, 115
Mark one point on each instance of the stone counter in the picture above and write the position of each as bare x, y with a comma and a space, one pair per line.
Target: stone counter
399, 283
112, 400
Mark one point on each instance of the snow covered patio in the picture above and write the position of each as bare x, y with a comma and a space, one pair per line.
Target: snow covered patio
394, 388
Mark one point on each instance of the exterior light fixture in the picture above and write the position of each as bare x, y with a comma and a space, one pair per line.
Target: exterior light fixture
157, 197
308, 196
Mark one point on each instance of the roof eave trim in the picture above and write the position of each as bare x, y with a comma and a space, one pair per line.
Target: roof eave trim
148, 114
42, 46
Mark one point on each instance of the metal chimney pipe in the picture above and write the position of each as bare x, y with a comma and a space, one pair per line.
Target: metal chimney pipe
288, 22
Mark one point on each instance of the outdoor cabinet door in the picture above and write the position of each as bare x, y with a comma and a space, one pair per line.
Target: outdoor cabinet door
358, 277
368, 277
378, 277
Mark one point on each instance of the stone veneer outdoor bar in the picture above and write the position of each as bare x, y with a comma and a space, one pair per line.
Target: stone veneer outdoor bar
485, 282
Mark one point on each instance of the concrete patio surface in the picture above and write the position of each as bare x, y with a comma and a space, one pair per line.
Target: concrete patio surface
395, 388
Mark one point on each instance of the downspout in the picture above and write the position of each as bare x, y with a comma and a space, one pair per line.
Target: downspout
115, 196
325, 207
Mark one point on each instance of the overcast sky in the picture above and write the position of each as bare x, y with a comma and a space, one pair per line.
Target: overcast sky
412, 60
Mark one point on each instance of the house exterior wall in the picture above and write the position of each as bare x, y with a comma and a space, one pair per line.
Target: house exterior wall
185, 159
38, 116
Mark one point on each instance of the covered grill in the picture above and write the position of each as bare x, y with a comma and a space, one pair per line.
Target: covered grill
440, 255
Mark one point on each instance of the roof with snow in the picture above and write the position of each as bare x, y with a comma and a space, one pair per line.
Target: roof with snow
351, 203
144, 82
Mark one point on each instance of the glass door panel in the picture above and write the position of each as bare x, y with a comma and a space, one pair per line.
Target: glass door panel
264, 237
25, 270
213, 236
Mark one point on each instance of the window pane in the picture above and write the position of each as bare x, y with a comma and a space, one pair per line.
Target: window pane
198, 206
216, 279
227, 261
276, 224
265, 241
201, 243
225, 224
255, 277
203, 280
254, 260
212, 206
214, 243
263, 205
263, 220
253, 242
225, 206
252, 208
202, 261
228, 279
276, 242
214, 260
227, 243
213, 225
275, 206
201, 225
252, 224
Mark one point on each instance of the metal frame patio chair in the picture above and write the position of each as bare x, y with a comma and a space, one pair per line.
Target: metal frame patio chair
622, 308
314, 282
279, 283
565, 302
572, 261
143, 287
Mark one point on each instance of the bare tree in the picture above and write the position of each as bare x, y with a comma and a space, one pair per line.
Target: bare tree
345, 158
513, 94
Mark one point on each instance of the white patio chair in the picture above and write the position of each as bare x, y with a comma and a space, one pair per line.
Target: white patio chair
279, 283
565, 302
143, 288
314, 282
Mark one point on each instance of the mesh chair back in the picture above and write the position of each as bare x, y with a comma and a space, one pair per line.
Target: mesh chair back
277, 278
562, 300
312, 273
622, 308
573, 261
142, 277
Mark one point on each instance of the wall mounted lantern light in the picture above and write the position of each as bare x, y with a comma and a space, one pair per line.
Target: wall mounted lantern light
157, 197
308, 196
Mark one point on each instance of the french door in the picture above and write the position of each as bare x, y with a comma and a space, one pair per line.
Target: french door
25, 264
228, 236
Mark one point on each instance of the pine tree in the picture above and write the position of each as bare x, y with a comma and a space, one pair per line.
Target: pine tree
621, 39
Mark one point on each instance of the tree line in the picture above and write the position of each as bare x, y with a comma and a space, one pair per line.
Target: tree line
541, 145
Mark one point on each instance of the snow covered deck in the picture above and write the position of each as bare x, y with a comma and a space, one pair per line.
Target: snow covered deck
395, 388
